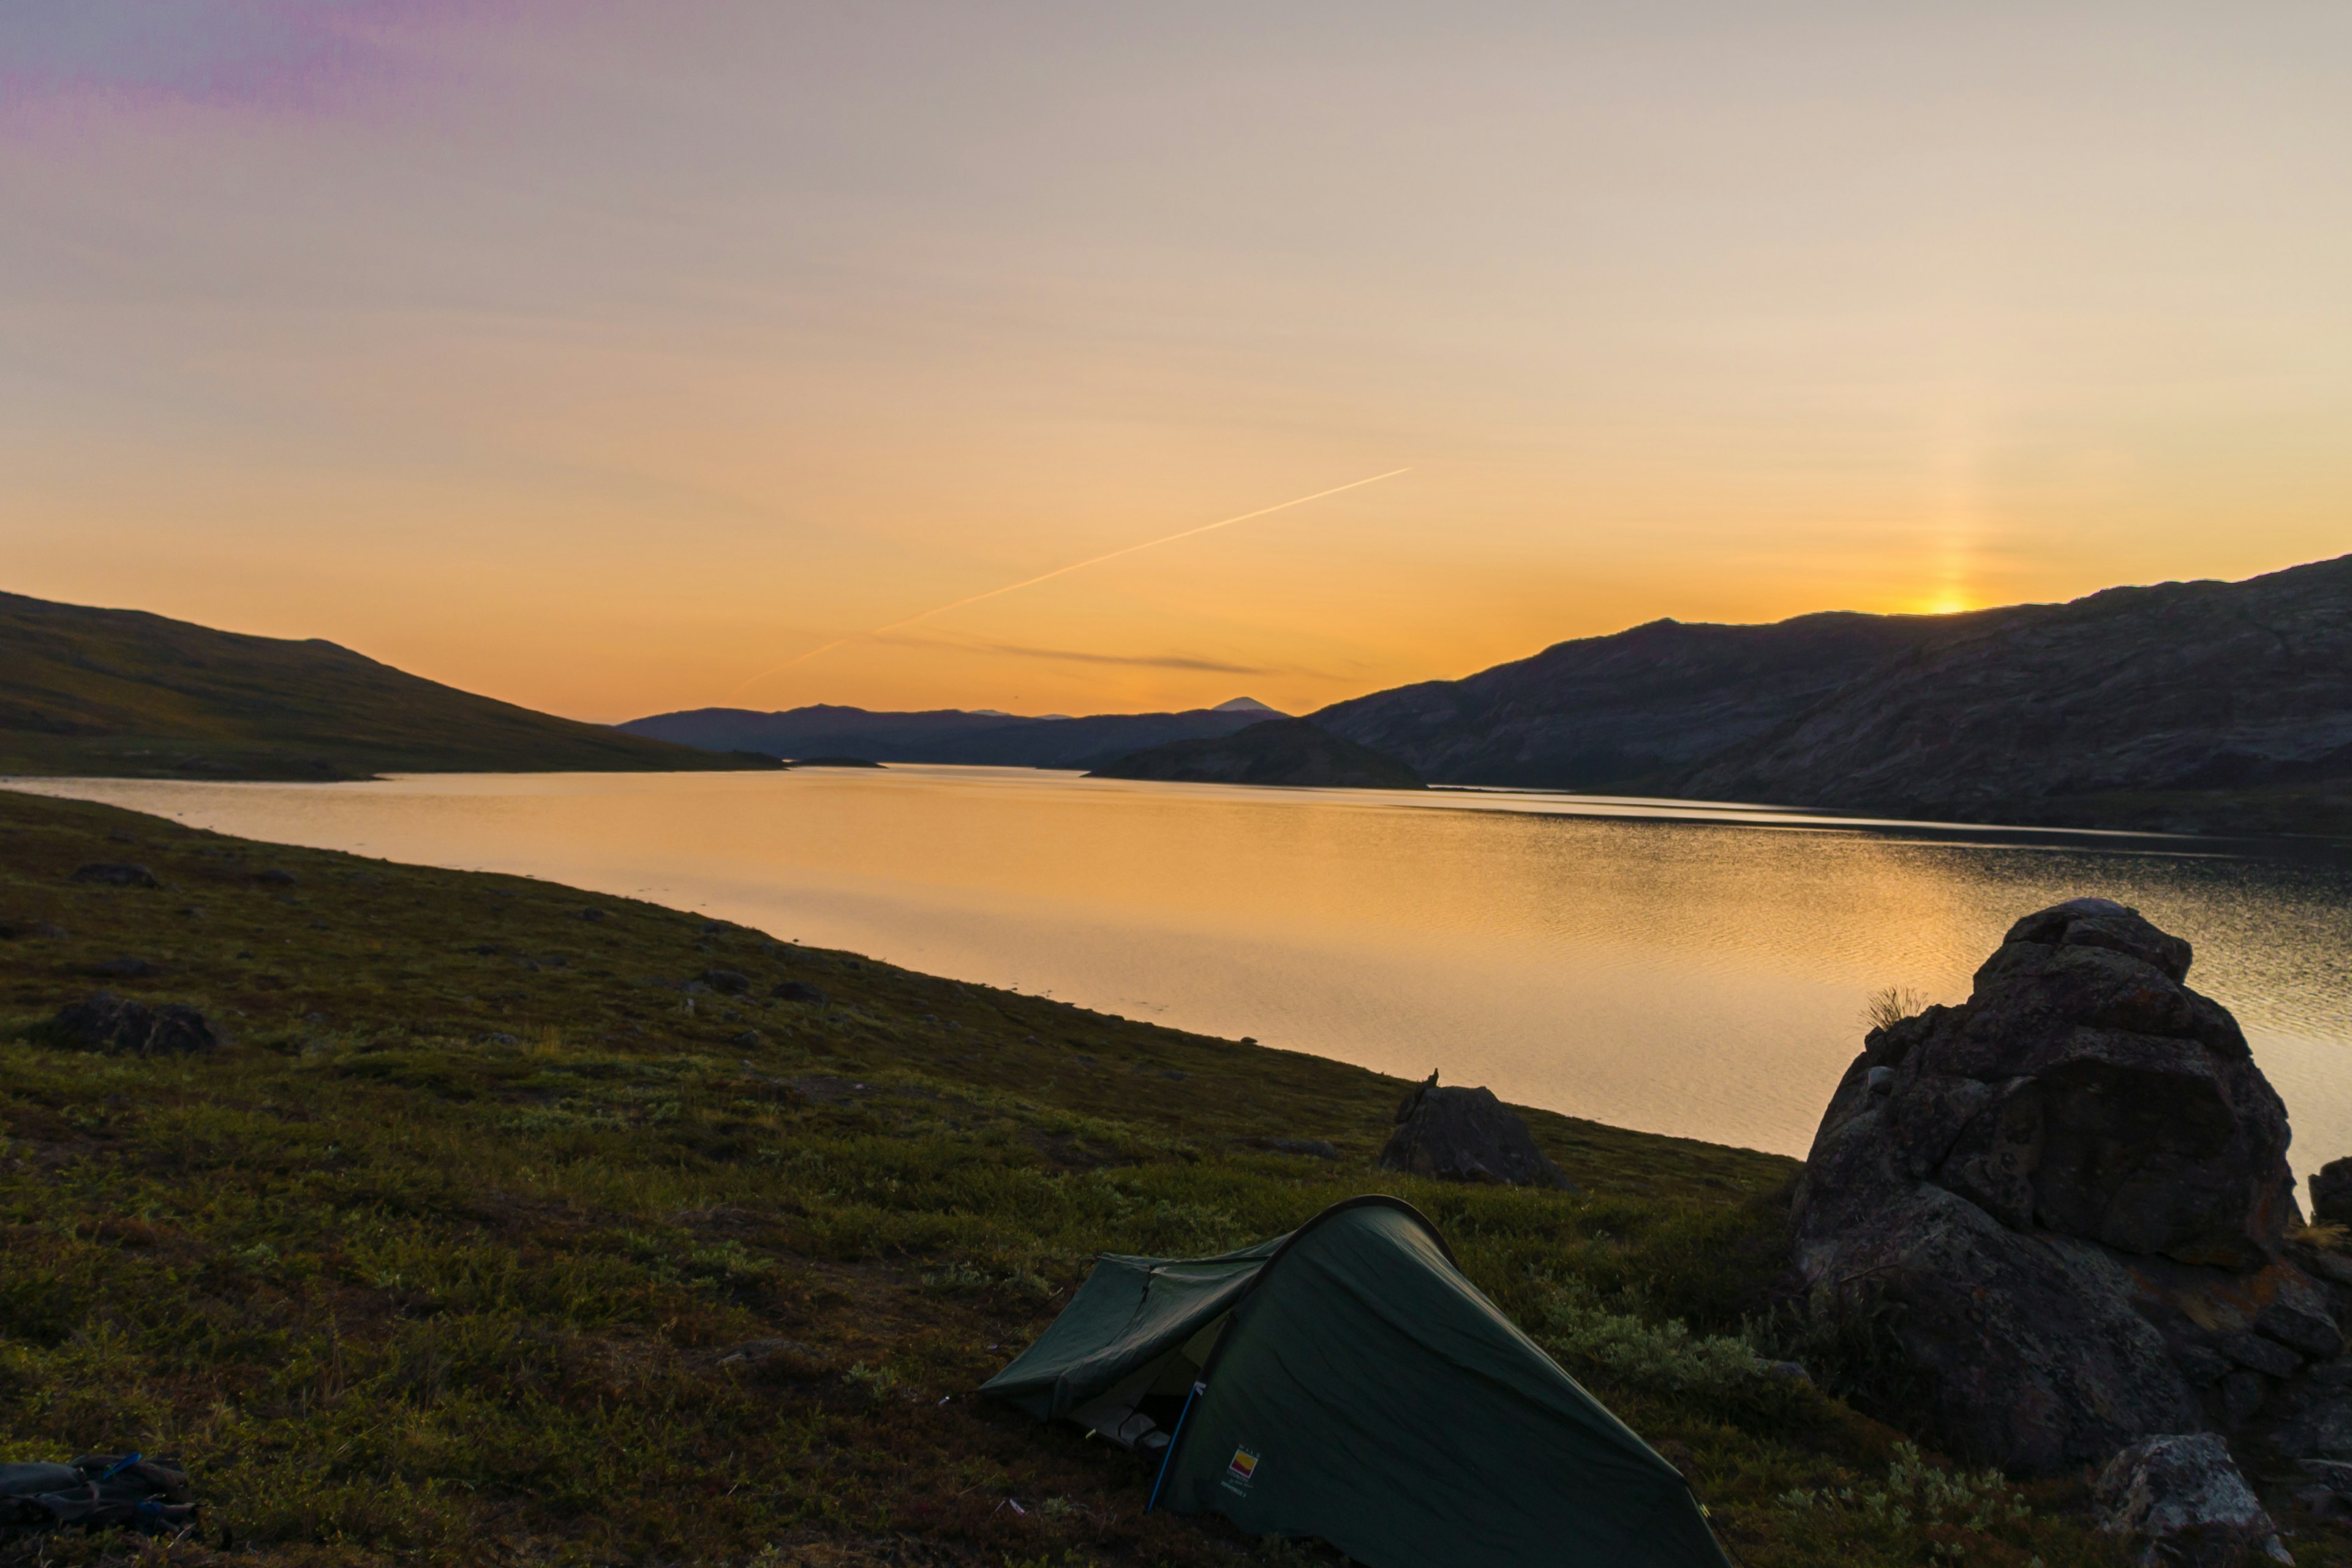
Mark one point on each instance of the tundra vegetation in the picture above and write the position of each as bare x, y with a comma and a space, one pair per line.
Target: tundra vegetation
518, 1223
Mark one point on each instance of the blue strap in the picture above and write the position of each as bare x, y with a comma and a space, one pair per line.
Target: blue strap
1174, 1438
122, 1465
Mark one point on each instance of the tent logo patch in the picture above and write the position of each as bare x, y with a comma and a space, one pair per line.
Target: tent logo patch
1239, 1470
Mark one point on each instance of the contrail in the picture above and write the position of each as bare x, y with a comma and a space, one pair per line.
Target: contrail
1066, 571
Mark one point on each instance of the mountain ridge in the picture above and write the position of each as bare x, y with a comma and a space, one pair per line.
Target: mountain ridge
2202, 706
946, 734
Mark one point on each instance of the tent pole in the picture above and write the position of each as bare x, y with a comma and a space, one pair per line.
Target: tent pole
1174, 1438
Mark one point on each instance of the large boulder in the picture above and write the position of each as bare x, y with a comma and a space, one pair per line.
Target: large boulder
2067, 1201
2181, 1499
1465, 1135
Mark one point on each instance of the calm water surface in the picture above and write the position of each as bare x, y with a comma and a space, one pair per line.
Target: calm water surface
1688, 970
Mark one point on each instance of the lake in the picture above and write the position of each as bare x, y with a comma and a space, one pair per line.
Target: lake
1657, 964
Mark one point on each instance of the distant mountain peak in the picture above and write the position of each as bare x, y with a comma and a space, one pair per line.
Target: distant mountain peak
1243, 705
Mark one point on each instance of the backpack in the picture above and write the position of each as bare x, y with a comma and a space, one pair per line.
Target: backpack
96, 1491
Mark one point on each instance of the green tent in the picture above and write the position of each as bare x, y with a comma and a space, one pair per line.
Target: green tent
1346, 1381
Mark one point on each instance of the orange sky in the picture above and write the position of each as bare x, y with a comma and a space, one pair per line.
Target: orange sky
604, 357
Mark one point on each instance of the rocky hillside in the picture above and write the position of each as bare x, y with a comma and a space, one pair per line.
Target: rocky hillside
121, 692
1278, 751
2200, 706
1612, 711
2184, 689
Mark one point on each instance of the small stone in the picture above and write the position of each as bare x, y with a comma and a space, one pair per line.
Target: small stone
594, 915
127, 969
2180, 1498
118, 1026
799, 991
1788, 1370
276, 877
1465, 1135
728, 982
2331, 1193
749, 1039
117, 874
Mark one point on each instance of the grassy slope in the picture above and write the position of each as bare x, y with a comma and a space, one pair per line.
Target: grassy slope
92, 692
443, 1257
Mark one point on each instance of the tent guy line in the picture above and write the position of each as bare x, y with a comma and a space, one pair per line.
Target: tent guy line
1063, 572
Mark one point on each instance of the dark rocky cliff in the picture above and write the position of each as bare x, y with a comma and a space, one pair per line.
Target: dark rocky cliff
2183, 688
2203, 706
1605, 712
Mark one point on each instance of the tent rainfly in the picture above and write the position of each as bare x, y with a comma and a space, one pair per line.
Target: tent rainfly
1346, 1381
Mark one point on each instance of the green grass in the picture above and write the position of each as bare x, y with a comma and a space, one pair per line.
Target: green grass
119, 692
485, 1241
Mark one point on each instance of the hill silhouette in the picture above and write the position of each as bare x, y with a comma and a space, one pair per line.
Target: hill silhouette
947, 735
122, 692
1276, 752
2205, 706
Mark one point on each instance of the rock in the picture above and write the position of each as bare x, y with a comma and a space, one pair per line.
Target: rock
748, 1039
728, 981
2331, 1194
2325, 1502
2260, 1354
118, 1026
2333, 1474
1465, 1135
117, 874
2178, 1498
276, 877
2309, 1332
127, 969
799, 991
593, 913
2066, 1200
34, 930
2318, 1424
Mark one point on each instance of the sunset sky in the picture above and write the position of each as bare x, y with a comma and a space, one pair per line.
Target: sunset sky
610, 358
